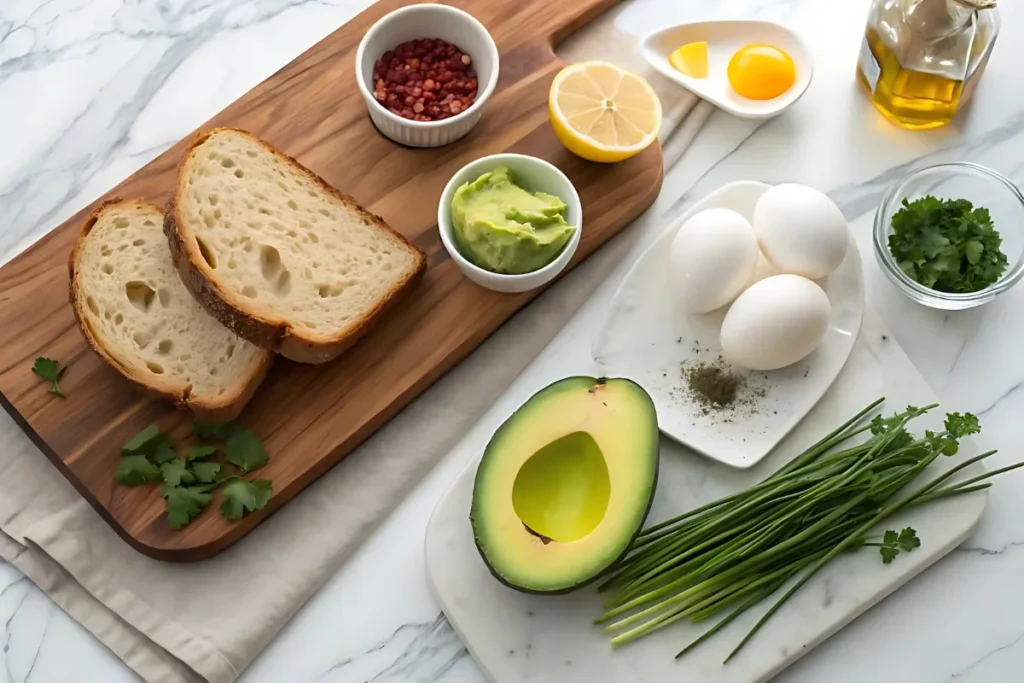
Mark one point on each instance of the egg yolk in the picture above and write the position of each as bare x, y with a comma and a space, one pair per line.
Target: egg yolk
761, 72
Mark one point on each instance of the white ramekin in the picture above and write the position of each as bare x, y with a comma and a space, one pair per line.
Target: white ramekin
427, 21
535, 175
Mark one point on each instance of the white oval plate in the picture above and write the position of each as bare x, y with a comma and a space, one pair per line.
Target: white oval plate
723, 39
647, 340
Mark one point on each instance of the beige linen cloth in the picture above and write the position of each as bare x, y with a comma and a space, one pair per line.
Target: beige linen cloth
192, 622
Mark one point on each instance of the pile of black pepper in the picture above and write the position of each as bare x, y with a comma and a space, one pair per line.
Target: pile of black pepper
711, 384
716, 388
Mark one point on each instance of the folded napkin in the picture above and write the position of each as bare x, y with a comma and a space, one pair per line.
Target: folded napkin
195, 622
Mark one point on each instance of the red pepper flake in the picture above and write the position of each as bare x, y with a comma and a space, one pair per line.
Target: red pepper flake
411, 79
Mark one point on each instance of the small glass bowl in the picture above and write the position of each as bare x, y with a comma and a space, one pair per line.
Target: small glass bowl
981, 186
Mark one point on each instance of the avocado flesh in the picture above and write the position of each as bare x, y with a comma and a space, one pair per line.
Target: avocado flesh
565, 484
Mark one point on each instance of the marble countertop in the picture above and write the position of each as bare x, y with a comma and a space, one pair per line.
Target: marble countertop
90, 90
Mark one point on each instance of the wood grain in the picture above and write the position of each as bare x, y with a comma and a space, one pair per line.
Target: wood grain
311, 416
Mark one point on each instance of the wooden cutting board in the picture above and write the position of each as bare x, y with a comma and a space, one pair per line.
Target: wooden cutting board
311, 416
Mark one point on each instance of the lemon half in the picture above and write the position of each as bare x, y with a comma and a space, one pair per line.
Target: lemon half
603, 112
691, 59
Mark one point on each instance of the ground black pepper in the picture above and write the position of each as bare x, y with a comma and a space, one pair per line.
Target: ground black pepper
711, 384
718, 390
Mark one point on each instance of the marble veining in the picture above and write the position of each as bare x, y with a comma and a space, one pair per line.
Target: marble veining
422, 652
90, 90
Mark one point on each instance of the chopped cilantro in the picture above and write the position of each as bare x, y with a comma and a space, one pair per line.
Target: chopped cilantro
200, 452
206, 472
136, 470
50, 371
947, 245
176, 472
185, 503
189, 482
241, 496
244, 450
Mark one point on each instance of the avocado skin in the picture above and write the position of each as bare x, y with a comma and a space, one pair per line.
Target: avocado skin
512, 423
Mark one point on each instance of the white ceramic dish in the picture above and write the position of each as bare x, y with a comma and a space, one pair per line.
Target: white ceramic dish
535, 175
723, 39
648, 340
427, 21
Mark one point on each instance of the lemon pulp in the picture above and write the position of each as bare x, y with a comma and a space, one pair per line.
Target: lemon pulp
603, 112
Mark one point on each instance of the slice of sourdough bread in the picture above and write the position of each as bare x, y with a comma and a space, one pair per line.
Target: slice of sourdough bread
136, 313
277, 254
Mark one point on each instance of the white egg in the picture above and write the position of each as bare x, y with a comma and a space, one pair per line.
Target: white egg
775, 322
801, 230
711, 259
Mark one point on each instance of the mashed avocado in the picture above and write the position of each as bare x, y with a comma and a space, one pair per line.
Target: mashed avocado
503, 228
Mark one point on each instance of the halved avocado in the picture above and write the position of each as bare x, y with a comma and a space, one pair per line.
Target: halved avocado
565, 484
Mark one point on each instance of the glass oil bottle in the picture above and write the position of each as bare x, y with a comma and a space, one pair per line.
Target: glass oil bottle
921, 59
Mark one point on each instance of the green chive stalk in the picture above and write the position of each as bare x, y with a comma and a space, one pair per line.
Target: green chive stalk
733, 553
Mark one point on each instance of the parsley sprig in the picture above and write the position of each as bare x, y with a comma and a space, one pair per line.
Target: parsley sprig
49, 370
947, 245
892, 543
189, 482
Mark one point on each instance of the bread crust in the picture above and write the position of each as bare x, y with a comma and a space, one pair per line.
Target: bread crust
222, 409
276, 334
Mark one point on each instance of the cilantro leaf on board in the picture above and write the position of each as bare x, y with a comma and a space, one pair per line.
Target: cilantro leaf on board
893, 543
141, 442
185, 503
244, 449
136, 470
947, 244
200, 452
213, 431
50, 371
241, 496
206, 472
175, 472
162, 450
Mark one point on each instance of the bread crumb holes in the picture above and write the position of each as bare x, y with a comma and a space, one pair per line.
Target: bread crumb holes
270, 262
140, 295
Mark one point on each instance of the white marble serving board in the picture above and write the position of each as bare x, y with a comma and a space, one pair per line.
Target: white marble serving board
518, 638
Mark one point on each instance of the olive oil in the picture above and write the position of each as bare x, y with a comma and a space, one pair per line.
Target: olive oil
921, 59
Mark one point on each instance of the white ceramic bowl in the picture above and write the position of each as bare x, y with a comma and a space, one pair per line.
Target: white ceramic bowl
535, 175
427, 21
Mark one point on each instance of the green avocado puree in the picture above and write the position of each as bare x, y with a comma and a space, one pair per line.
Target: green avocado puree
504, 228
